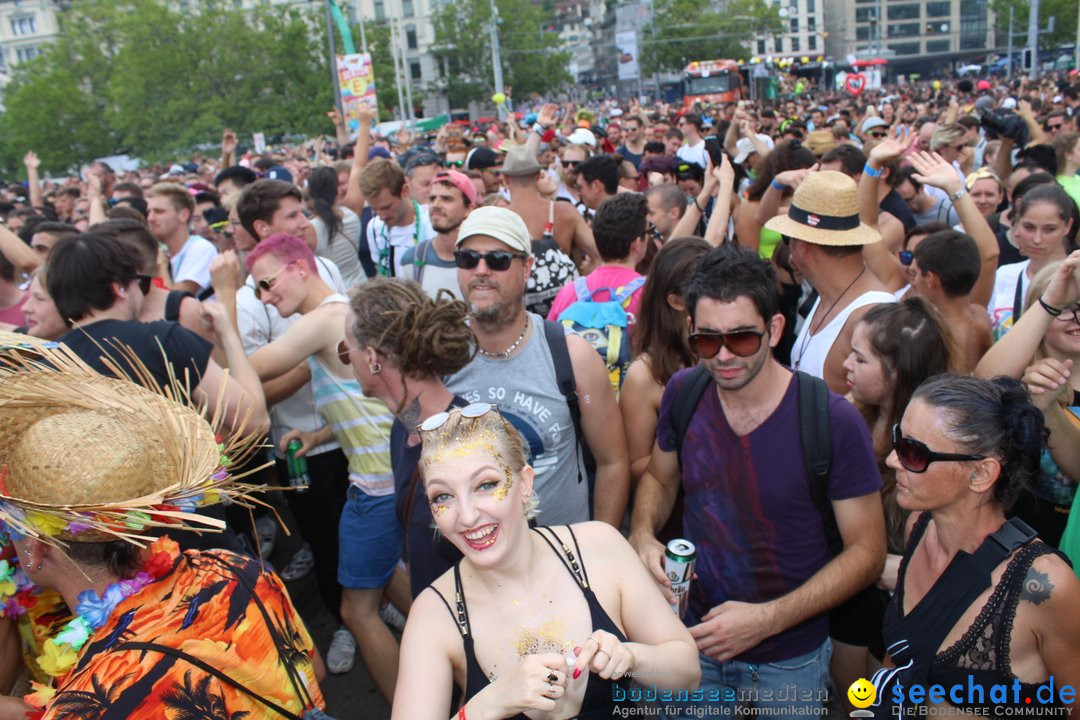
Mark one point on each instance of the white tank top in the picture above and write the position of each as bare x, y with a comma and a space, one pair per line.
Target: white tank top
810, 351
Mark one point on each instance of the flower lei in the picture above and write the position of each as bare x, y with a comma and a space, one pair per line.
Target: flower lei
60, 653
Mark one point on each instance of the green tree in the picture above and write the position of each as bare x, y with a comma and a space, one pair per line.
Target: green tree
1064, 25
532, 62
141, 76
687, 30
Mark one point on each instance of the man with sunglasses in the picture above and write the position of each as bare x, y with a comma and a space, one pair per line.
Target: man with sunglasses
874, 128
765, 577
517, 368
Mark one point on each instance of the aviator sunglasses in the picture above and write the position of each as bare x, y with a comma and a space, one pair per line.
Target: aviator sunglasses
915, 456
742, 343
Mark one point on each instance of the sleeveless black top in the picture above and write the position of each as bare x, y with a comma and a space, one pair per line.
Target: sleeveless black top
982, 652
597, 702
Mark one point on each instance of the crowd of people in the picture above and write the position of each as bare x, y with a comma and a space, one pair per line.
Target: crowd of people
827, 339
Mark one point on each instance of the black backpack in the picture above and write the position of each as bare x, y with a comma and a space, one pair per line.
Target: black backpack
813, 430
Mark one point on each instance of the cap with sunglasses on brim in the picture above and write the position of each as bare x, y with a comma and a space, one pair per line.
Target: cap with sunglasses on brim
504, 225
825, 211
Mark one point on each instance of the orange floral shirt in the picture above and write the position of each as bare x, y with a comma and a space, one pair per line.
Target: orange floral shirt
204, 608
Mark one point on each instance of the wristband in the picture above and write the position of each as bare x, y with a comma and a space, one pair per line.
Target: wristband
698, 206
869, 170
959, 194
1050, 309
538, 128
777, 186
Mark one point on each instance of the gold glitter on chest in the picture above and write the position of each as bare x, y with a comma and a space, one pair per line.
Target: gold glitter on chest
549, 637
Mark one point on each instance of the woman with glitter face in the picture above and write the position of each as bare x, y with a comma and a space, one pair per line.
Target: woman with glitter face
541, 620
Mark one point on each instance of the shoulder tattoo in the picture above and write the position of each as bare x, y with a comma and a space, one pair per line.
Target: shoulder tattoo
1037, 587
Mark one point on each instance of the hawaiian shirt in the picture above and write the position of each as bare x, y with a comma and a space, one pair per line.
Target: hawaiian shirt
217, 607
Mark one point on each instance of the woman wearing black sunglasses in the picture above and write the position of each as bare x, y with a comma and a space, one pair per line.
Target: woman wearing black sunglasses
971, 609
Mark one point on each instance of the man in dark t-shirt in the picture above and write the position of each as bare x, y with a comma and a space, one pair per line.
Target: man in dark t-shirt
765, 576
98, 290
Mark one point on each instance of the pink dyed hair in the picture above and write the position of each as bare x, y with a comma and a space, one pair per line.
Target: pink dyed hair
286, 248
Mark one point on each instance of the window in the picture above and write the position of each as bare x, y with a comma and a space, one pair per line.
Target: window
406, 8
905, 48
410, 37
937, 46
778, 44
795, 44
24, 26
794, 24
811, 43
904, 30
760, 47
811, 24
380, 11
26, 53
904, 12
862, 32
938, 9
414, 70
865, 14
935, 28
810, 6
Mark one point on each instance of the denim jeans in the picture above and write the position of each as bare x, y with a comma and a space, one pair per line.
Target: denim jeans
796, 687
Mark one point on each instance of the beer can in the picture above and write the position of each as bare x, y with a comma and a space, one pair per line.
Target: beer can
679, 560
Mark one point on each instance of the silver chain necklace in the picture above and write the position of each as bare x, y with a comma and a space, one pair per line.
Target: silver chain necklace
508, 351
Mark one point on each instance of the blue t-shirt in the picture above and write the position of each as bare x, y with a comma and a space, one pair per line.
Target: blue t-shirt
749, 509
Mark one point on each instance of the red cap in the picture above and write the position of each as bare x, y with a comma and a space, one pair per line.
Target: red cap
459, 180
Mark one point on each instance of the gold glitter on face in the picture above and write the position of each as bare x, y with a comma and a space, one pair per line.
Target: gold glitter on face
548, 638
437, 509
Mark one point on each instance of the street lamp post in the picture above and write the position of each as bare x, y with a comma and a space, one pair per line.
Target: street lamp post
496, 59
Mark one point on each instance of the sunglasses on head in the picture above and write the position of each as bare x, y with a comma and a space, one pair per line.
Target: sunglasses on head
742, 343
145, 281
915, 456
471, 412
497, 260
267, 284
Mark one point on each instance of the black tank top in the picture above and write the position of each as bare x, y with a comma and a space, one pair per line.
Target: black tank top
982, 652
597, 702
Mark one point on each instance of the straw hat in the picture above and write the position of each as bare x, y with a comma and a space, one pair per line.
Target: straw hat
825, 211
89, 458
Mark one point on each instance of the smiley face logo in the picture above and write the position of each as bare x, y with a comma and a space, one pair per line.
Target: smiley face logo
862, 693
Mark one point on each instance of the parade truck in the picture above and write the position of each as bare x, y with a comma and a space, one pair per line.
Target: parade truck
711, 81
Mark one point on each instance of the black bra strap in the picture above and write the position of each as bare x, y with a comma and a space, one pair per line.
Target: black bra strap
461, 629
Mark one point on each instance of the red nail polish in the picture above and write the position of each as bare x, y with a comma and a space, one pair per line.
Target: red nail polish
577, 673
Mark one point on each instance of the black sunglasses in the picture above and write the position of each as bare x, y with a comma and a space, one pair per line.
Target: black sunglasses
915, 456
743, 343
145, 281
883, 133
571, 163
906, 256
497, 260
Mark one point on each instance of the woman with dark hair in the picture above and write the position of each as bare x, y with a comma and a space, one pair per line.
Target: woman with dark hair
407, 343
750, 215
660, 345
980, 601
337, 228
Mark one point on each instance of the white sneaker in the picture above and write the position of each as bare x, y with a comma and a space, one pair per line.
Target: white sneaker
392, 617
266, 531
342, 653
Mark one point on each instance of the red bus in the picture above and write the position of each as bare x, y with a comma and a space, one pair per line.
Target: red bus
711, 81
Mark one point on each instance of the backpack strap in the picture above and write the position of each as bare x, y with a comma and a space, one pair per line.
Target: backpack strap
173, 302
564, 378
686, 402
581, 289
208, 668
629, 289
816, 439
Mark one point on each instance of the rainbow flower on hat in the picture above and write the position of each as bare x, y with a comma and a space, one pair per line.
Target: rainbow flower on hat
89, 458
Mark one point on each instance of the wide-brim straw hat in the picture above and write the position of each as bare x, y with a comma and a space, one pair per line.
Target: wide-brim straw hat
825, 211
89, 458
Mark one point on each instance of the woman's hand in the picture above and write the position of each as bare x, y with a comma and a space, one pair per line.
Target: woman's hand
935, 171
1064, 288
1045, 381
537, 682
603, 654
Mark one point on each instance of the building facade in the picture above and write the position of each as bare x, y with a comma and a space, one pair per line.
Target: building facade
26, 26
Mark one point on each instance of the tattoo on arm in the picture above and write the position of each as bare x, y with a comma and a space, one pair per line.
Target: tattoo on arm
410, 416
1037, 587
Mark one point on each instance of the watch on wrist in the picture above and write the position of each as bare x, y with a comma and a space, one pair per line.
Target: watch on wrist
959, 193
538, 128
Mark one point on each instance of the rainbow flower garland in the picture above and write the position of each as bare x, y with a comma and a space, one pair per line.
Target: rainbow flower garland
59, 654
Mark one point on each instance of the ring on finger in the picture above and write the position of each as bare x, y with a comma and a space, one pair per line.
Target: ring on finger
552, 678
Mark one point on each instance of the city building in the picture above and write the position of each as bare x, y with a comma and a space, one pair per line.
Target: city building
803, 32
26, 26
